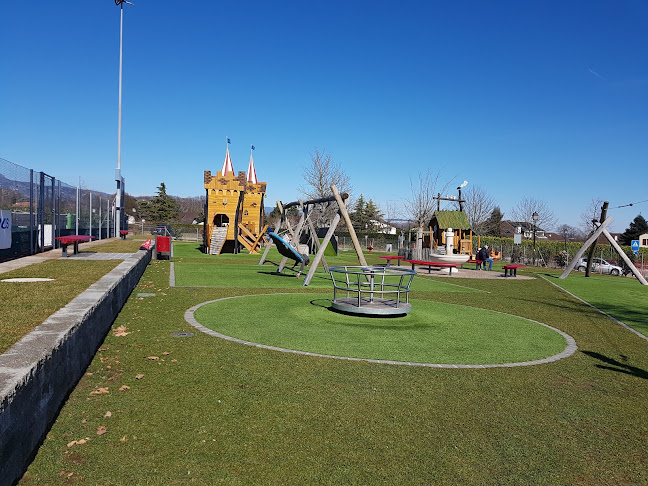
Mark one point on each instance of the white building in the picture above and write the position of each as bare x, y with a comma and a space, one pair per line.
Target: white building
643, 240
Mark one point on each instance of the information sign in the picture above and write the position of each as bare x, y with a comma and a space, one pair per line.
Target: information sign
635, 246
5, 229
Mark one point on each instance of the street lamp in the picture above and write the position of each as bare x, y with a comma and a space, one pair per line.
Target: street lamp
461, 201
565, 235
566, 251
535, 221
119, 197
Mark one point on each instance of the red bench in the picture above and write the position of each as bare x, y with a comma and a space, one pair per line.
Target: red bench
74, 240
476, 262
389, 258
123, 233
429, 265
511, 270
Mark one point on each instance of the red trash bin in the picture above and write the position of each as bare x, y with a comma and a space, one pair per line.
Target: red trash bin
163, 245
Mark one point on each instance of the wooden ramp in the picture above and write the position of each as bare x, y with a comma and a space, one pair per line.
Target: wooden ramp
219, 235
249, 240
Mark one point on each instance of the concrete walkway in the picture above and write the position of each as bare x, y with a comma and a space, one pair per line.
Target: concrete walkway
17, 263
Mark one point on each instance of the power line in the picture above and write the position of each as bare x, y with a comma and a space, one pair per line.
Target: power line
630, 204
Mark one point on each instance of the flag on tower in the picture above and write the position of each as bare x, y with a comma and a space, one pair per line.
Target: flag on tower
252, 177
227, 165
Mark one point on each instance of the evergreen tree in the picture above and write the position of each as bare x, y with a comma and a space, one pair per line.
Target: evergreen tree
274, 218
637, 227
372, 215
358, 216
491, 226
162, 208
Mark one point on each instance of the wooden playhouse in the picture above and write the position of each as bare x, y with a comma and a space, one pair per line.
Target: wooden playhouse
457, 220
234, 210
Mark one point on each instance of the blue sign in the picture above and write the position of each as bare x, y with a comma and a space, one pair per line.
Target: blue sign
635, 246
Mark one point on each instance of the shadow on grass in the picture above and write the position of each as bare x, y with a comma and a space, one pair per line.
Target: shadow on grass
614, 365
326, 304
551, 275
316, 277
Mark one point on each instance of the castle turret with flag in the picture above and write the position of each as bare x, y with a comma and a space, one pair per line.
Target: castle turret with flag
234, 210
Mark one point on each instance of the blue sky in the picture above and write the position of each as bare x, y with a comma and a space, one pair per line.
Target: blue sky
520, 98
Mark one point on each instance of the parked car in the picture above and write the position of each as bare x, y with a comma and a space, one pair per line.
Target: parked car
162, 230
599, 265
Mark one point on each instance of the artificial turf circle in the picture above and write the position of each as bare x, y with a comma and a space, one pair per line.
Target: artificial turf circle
433, 333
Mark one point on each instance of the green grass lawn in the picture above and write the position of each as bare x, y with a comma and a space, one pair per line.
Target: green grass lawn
624, 299
204, 410
433, 332
195, 269
28, 304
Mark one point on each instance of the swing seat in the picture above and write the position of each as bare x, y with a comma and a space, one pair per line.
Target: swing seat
288, 251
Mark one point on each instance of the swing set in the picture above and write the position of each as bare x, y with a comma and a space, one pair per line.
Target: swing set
288, 243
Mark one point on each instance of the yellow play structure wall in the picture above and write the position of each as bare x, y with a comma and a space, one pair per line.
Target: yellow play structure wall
223, 194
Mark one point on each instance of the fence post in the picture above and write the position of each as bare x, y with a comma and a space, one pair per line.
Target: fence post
32, 246
90, 214
76, 216
41, 210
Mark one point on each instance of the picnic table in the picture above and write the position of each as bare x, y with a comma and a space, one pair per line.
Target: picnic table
511, 270
429, 265
74, 240
389, 258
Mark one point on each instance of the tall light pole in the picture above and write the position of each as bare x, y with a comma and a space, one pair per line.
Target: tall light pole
119, 197
535, 221
566, 251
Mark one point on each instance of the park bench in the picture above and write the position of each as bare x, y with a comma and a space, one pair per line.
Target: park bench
389, 258
429, 265
511, 270
74, 240
123, 234
476, 262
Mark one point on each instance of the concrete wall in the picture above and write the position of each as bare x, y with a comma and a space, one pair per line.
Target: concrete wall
38, 372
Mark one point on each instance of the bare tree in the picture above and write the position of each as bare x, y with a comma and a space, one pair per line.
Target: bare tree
321, 174
524, 209
422, 203
569, 232
390, 209
478, 208
590, 213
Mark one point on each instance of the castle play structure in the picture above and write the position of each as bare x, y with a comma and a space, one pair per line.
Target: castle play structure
234, 209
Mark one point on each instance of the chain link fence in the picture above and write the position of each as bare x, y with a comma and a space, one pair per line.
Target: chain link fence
42, 208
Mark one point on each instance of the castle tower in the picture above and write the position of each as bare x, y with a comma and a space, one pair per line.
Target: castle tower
234, 209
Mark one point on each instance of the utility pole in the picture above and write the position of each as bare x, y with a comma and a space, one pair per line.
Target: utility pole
119, 196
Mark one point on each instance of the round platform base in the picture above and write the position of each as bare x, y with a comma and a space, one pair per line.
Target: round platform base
377, 307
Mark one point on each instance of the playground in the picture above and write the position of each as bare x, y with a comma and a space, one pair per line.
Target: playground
165, 400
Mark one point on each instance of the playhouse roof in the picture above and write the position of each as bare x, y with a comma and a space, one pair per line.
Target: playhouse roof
251, 172
450, 219
227, 164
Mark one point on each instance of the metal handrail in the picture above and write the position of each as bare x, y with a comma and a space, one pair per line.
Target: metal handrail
374, 282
